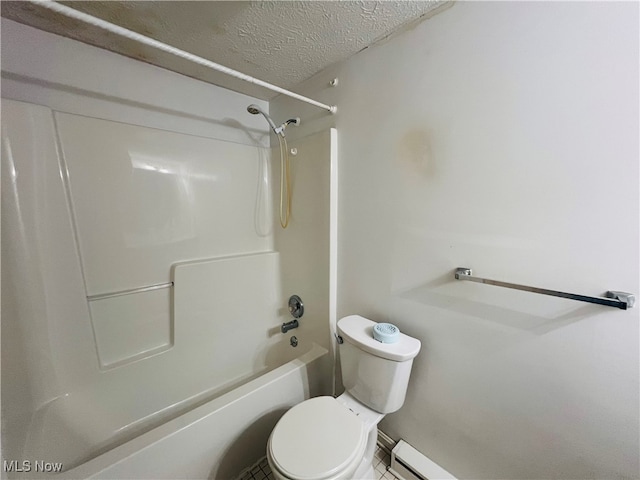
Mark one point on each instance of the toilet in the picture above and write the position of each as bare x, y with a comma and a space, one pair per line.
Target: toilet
327, 438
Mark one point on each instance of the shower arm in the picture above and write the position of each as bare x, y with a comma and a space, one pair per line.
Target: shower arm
280, 130
131, 35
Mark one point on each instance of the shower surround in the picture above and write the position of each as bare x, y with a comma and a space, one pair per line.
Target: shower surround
143, 275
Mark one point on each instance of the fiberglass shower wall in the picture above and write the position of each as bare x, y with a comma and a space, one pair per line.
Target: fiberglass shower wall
111, 183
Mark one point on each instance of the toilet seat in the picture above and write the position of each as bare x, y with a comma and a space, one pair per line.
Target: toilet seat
318, 439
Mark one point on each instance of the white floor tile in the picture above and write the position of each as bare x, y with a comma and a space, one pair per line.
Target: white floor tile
261, 471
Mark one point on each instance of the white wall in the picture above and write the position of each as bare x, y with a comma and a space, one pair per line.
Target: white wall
307, 256
502, 137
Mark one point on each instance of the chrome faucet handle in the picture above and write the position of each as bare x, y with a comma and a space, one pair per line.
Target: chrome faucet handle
296, 307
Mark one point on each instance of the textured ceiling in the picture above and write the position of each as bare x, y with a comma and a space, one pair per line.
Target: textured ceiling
281, 42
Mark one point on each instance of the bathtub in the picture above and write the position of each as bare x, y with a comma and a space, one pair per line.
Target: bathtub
217, 439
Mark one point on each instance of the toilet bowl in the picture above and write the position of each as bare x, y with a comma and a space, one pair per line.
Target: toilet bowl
327, 438
319, 439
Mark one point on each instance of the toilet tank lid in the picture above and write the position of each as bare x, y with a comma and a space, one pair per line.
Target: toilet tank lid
358, 331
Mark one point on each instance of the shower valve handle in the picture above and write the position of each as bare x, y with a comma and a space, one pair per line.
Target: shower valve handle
296, 307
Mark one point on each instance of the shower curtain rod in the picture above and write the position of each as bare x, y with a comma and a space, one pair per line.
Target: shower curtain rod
97, 22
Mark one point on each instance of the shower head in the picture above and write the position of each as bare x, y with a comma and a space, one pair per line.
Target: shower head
255, 109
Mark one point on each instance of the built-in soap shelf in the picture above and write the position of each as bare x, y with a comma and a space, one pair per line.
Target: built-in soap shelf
149, 288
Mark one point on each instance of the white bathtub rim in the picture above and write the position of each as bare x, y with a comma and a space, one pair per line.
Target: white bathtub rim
147, 440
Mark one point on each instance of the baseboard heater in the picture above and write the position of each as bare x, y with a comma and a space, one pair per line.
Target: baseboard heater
407, 463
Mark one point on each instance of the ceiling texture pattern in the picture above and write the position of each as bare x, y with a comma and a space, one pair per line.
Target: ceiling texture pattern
281, 42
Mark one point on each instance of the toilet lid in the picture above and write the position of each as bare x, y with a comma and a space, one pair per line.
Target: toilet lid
317, 439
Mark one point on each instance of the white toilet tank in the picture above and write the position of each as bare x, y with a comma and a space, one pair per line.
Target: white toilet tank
375, 373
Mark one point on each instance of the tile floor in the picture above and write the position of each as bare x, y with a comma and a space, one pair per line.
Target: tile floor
381, 461
259, 471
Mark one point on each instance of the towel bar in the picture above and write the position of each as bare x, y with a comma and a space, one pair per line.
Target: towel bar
616, 299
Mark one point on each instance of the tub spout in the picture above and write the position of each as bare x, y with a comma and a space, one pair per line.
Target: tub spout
289, 325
